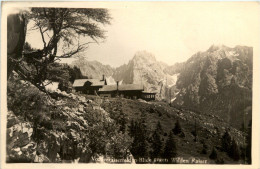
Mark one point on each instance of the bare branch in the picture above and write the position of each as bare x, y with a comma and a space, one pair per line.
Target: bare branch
42, 36
80, 48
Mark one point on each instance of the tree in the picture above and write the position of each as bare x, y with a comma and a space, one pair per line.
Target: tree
140, 144
234, 151
226, 142
170, 150
213, 155
75, 28
156, 144
75, 73
119, 145
177, 129
16, 30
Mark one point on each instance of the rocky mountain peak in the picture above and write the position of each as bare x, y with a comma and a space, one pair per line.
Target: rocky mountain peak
145, 69
144, 56
218, 80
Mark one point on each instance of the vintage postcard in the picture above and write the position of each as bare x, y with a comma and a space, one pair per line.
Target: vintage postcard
130, 84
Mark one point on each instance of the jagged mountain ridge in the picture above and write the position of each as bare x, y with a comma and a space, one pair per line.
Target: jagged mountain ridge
145, 69
218, 81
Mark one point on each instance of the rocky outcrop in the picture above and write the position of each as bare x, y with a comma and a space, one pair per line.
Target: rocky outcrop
64, 128
20, 146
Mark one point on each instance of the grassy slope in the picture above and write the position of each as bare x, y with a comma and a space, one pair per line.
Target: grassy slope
210, 128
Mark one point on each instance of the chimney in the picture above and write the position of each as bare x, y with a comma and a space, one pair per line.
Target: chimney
103, 78
117, 83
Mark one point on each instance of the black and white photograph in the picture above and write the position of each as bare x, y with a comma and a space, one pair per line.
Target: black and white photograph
158, 83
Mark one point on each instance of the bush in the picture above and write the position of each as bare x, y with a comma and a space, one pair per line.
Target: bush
119, 145
65, 86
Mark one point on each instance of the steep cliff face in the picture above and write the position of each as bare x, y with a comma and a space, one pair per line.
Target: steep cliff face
145, 69
219, 81
93, 69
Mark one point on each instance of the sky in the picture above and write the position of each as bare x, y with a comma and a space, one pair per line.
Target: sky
172, 31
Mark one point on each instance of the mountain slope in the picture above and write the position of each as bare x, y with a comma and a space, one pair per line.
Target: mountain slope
209, 128
93, 69
218, 81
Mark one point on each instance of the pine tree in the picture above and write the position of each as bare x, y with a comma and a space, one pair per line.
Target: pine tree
234, 151
213, 155
177, 128
156, 145
140, 144
170, 150
226, 142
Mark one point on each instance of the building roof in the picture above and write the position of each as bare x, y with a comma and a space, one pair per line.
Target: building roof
110, 80
124, 87
146, 92
130, 87
94, 82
